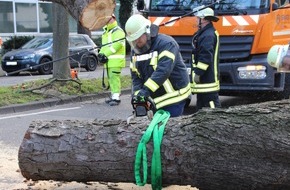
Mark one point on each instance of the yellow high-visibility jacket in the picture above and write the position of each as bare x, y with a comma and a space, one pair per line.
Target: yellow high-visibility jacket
116, 52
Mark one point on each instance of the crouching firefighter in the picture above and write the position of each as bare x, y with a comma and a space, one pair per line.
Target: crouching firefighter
157, 69
205, 56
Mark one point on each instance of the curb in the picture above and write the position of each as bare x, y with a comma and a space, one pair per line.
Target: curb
53, 102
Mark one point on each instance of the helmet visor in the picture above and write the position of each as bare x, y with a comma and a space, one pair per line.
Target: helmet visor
133, 37
141, 44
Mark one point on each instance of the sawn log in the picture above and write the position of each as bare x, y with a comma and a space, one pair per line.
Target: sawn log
91, 14
240, 148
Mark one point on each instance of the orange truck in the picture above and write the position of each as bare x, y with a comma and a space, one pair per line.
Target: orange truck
247, 29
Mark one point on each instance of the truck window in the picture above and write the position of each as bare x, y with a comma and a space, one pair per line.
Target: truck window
243, 4
178, 5
188, 5
282, 3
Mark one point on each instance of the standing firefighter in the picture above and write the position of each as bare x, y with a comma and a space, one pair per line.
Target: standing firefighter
113, 56
205, 56
157, 68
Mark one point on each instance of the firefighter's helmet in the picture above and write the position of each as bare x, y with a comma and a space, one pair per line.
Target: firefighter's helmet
276, 55
207, 14
135, 26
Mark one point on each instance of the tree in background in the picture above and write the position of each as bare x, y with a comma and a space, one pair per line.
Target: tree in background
125, 11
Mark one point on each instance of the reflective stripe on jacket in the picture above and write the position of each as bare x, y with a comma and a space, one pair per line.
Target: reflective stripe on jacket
205, 59
162, 71
116, 52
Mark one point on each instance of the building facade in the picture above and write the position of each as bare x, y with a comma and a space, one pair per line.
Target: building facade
29, 17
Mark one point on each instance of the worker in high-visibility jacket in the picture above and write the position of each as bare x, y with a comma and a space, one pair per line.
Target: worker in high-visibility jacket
113, 56
205, 56
157, 68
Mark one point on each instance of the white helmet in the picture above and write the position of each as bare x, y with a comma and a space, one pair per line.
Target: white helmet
207, 14
135, 26
276, 55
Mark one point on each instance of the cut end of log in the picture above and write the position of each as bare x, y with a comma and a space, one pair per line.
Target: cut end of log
97, 14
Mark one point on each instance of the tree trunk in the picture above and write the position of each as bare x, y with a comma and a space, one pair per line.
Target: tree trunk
243, 147
92, 14
61, 69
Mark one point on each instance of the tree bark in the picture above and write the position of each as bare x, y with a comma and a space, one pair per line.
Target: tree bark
92, 14
243, 147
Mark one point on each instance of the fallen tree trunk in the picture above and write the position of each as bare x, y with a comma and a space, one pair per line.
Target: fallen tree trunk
243, 147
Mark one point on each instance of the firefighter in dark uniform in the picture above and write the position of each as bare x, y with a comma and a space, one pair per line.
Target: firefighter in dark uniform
205, 55
157, 68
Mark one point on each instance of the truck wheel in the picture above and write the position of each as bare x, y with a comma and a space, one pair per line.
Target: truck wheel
46, 68
91, 63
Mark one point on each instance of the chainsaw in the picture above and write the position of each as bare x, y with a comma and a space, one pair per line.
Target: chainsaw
142, 106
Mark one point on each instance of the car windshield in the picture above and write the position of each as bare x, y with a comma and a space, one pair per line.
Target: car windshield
188, 5
38, 42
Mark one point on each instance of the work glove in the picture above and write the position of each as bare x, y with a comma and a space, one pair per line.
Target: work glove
140, 97
144, 92
102, 58
196, 79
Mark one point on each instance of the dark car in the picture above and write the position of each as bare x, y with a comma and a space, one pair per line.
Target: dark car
82, 51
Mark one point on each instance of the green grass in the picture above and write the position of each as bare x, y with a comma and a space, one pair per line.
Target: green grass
21, 93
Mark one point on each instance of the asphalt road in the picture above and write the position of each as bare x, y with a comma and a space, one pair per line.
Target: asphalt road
14, 125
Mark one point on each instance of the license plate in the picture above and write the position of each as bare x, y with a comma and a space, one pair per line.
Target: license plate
11, 63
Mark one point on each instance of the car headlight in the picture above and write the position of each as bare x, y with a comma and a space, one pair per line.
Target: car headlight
29, 56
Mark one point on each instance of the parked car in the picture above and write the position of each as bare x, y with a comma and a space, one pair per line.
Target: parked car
82, 51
